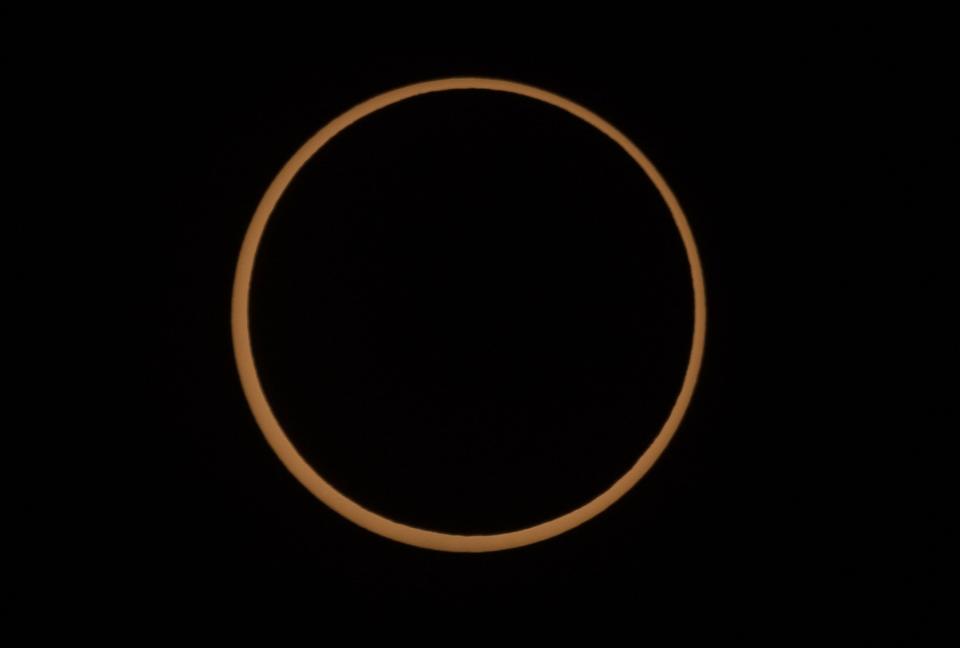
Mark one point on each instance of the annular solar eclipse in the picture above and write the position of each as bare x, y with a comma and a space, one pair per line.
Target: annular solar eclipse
310, 478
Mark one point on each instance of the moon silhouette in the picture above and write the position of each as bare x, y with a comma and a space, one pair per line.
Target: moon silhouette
313, 481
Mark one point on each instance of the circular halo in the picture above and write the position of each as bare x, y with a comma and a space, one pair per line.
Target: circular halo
302, 470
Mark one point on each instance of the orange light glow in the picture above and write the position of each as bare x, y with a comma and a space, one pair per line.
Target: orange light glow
336, 500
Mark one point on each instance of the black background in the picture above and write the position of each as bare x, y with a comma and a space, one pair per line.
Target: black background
476, 342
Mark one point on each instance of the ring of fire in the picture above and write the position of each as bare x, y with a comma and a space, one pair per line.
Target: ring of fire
277, 437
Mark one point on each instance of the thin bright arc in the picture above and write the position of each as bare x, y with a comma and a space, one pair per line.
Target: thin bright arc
323, 490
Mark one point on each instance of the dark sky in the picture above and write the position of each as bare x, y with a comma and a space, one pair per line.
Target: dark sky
472, 313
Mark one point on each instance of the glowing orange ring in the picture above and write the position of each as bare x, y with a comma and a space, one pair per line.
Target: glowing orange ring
308, 476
